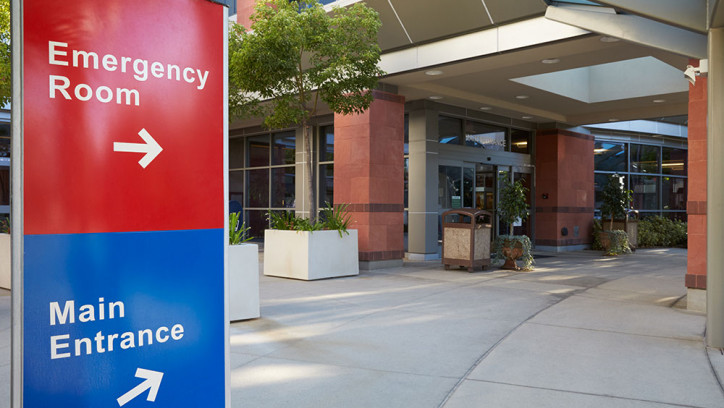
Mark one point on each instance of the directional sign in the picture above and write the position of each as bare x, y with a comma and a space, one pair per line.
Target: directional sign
123, 129
152, 384
149, 146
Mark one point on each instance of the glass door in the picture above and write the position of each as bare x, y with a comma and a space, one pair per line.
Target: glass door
485, 187
525, 176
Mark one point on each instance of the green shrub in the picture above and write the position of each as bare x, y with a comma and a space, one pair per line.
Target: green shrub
287, 220
619, 243
4, 225
237, 233
526, 258
658, 231
337, 219
597, 228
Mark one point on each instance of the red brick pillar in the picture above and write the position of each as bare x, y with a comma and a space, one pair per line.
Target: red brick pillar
696, 205
564, 190
369, 176
244, 10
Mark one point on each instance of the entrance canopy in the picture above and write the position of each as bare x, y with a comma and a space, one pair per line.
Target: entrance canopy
574, 62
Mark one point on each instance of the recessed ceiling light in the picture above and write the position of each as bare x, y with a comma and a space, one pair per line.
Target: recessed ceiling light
522, 97
659, 100
485, 108
551, 61
526, 117
613, 120
608, 39
433, 72
435, 97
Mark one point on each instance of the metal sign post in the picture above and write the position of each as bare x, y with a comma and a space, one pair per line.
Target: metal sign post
119, 204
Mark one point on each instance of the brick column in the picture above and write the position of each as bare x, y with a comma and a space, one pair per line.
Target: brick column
564, 189
369, 176
244, 10
696, 204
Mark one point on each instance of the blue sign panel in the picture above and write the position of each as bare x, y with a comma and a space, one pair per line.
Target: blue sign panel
120, 319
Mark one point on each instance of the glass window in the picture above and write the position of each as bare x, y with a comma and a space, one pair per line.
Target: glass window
4, 186
326, 143
673, 193
326, 184
325, 174
258, 188
609, 156
599, 182
645, 192
258, 151
236, 153
407, 134
407, 181
468, 187
503, 175
4, 147
284, 148
256, 220
236, 191
520, 141
283, 187
449, 187
485, 187
485, 136
450, 130
644, 158
523, 228
674, 161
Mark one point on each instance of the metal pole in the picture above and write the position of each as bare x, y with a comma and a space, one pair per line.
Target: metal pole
715, 193
16, 206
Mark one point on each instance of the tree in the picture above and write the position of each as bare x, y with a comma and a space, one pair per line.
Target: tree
6, 82
513, 203
296, 55
616, 199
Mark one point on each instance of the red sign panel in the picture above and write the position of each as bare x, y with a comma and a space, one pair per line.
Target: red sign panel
119, 106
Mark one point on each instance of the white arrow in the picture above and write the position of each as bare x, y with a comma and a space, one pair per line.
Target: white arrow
152, 383
150, 147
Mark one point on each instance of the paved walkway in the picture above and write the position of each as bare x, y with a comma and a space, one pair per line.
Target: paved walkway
582, 330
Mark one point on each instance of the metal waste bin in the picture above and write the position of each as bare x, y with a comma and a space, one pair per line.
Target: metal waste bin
466, 238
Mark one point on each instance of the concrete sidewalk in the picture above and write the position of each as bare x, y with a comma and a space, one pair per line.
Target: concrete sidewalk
582, 330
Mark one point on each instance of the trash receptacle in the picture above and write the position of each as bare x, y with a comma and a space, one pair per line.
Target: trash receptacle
466, 238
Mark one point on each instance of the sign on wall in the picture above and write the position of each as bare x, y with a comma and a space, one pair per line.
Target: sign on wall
124, 128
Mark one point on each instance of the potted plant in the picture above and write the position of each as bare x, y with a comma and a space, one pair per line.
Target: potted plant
5, 266
243, 272
512, 208
616, 203
298, 248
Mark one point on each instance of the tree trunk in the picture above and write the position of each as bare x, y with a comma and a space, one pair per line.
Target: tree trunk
307, 136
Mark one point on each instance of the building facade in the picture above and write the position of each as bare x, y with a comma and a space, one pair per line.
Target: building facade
477, 103
484, 89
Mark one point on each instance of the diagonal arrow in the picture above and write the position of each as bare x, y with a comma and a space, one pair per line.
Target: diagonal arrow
152, 383
150, 147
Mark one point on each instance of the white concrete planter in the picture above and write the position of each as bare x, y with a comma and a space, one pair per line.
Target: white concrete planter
310, 255
5, 271
243, 282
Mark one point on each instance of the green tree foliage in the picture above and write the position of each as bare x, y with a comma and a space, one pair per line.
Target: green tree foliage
616, 199
296, 55
6, 81
513, 202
